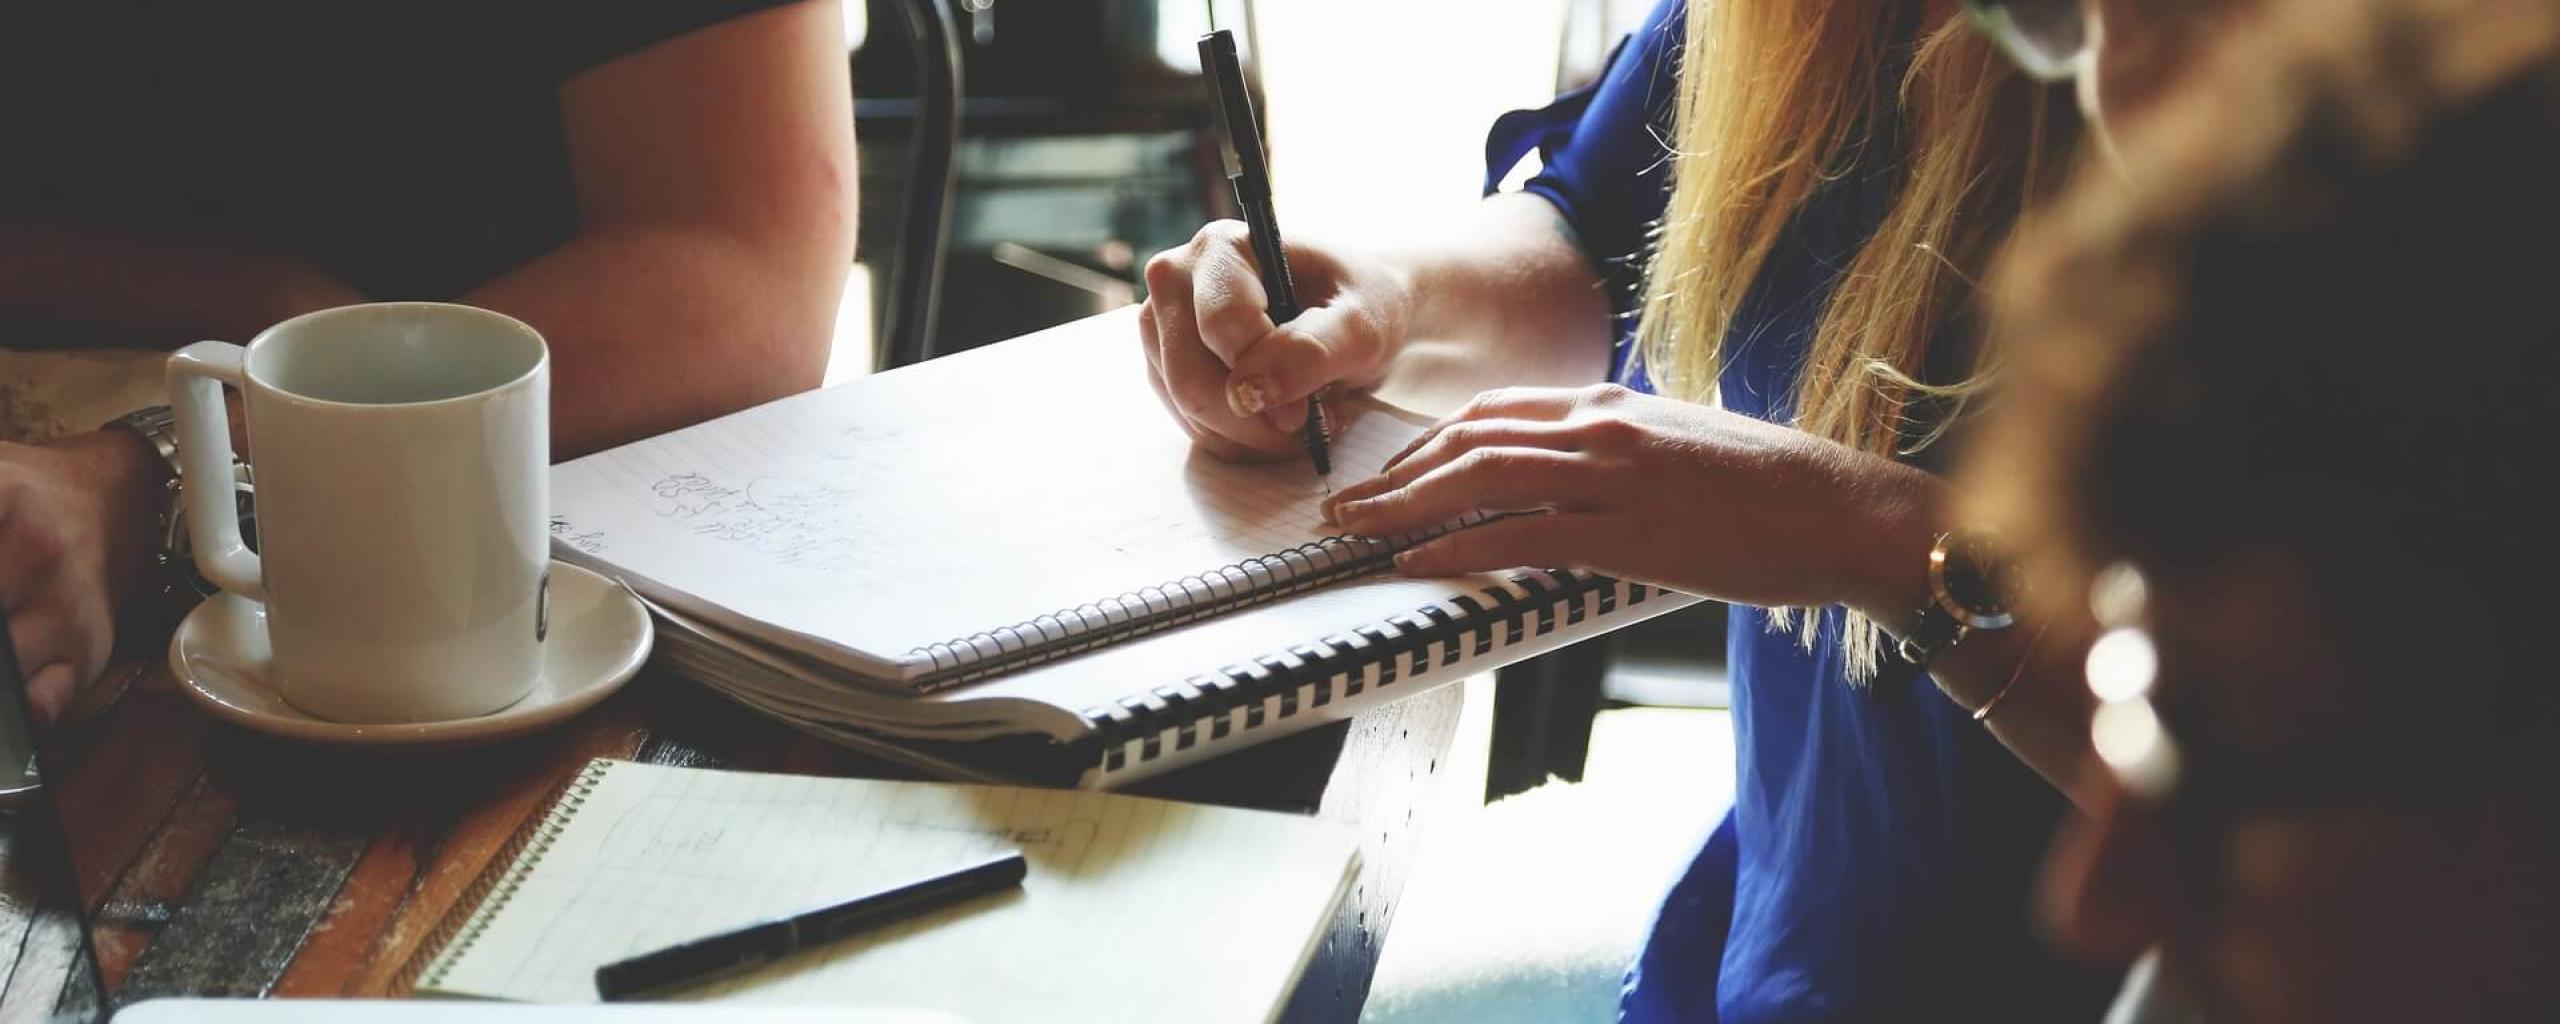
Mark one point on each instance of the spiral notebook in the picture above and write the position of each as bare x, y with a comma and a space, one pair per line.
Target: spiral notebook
1215, 910
1019, 540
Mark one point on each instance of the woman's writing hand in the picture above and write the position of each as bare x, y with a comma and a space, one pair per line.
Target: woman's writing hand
1237, 383
1653, 489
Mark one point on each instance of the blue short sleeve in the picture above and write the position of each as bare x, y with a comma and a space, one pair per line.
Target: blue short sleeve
1606, 157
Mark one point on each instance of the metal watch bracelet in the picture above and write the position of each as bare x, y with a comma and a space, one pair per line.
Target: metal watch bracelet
173, 559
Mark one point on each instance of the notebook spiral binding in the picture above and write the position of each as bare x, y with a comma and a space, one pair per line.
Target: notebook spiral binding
1342, 666
496, 885
1256, 580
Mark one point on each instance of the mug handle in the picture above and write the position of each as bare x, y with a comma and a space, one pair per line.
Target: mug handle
196, 376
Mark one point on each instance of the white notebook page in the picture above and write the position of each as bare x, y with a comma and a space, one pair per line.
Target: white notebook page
1133, 910
973, 492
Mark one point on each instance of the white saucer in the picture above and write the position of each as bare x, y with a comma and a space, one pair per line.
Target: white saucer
599, 636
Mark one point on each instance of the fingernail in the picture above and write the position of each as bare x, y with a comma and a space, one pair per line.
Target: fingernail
1248, 397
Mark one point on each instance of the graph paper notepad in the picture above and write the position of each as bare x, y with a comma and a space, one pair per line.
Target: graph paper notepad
1134, 909
1019, 540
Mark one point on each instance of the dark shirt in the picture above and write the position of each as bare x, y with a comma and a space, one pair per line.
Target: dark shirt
1876, 862
413, 149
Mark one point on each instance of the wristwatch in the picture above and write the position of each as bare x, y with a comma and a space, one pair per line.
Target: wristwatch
1973, 585
174, 560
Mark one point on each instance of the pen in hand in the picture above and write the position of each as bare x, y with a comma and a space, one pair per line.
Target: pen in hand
1247, 168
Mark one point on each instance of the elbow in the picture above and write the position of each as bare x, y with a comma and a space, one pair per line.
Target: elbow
814, 244
819, 225
787, 305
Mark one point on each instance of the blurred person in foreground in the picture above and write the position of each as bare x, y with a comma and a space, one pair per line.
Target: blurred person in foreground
2276, 406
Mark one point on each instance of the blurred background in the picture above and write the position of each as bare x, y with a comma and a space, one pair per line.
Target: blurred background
1086, 146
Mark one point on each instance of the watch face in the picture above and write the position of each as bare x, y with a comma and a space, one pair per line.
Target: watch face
1980, 577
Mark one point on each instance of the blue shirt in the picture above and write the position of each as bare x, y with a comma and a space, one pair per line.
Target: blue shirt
1877, 859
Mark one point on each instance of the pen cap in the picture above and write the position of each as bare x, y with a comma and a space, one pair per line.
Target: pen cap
1232, 104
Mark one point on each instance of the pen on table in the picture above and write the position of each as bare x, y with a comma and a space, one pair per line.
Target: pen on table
701, 960
1240, 150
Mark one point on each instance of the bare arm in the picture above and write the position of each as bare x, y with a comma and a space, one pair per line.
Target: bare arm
1501, 297
714, 175
715, 183
101, 286
2043, 716
1716, 503
1505, 299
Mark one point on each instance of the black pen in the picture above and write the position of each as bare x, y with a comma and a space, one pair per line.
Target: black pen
714, 956
1240, 150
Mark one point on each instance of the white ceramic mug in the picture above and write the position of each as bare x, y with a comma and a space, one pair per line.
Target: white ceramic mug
402, 454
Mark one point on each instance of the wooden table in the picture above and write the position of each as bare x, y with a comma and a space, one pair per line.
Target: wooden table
223, 862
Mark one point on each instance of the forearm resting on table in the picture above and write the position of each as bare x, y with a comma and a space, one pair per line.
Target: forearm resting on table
653, 327
90, 286
1502, 298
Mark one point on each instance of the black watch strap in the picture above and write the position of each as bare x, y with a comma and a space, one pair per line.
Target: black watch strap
1933, 631
1973, 585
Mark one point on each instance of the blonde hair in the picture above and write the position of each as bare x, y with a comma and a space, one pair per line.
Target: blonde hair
1780, 98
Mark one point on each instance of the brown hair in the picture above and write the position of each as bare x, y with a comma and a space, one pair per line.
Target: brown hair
2315, 318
